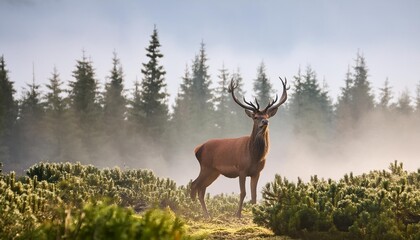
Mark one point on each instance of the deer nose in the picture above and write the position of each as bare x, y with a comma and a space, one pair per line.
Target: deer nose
264, 122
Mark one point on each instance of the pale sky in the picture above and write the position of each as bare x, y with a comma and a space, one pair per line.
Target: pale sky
237, 33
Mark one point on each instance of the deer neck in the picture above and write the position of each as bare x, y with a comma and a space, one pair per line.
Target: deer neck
259, 143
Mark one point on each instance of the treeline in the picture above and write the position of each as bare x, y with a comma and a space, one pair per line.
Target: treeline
84, 121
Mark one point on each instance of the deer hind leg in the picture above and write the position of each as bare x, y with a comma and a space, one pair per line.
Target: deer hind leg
197, 183
193, 192
242, 178
202, 182
201, 194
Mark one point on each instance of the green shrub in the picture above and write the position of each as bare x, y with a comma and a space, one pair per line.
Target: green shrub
52, 196
377, 205
102, 220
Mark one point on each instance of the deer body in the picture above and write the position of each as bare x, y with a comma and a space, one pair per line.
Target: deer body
236, 157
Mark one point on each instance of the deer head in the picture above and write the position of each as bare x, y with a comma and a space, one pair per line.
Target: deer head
260, 117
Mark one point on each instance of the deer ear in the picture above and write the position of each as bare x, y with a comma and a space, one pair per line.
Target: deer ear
249, 113
272, 111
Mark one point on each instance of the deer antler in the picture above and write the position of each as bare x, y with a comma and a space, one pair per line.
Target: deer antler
250, 106
283, 96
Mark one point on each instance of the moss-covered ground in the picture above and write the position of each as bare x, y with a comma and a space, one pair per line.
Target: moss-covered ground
229, 227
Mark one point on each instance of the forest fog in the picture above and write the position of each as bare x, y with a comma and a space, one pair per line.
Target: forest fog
313, 133
372, 145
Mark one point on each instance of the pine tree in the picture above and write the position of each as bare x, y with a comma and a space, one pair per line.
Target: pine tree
135, 131
297, 97
403, 103
114, 100
193, 118
362, 100
135, 113
202, 109
31, 105
153, 92
385, 96
83, 93
85, 107
54, 121
181, 121
54, 100
31, 138
356, 99
62, 134
262, 86
183, 102
223, 114
8, 113
239, 123
326, 101
310, 106
115, 107
343, 106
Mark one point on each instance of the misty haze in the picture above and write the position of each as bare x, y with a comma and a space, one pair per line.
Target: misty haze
311, 135
107, 110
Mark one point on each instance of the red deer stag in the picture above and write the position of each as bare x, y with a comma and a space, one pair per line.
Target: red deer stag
237, 157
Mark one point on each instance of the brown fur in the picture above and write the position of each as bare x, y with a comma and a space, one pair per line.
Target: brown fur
198, 150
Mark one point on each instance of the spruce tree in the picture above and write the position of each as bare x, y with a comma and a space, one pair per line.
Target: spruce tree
115, 107
135, 113
135, 131
385, 96
85, 107
31, 105
262, 86
114, 100
223, 114
326, 102
343, 106
84, 90
31, 138
202, 109
61, 129
8, 113
404, 103
54, 99
297, 97
310, 106
362, 100
193, 118
153, 93
346, 97
181, 120
239, 123
54, 121
181, 117
356, 99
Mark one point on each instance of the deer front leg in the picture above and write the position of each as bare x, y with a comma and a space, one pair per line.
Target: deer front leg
254, 181
242, 178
